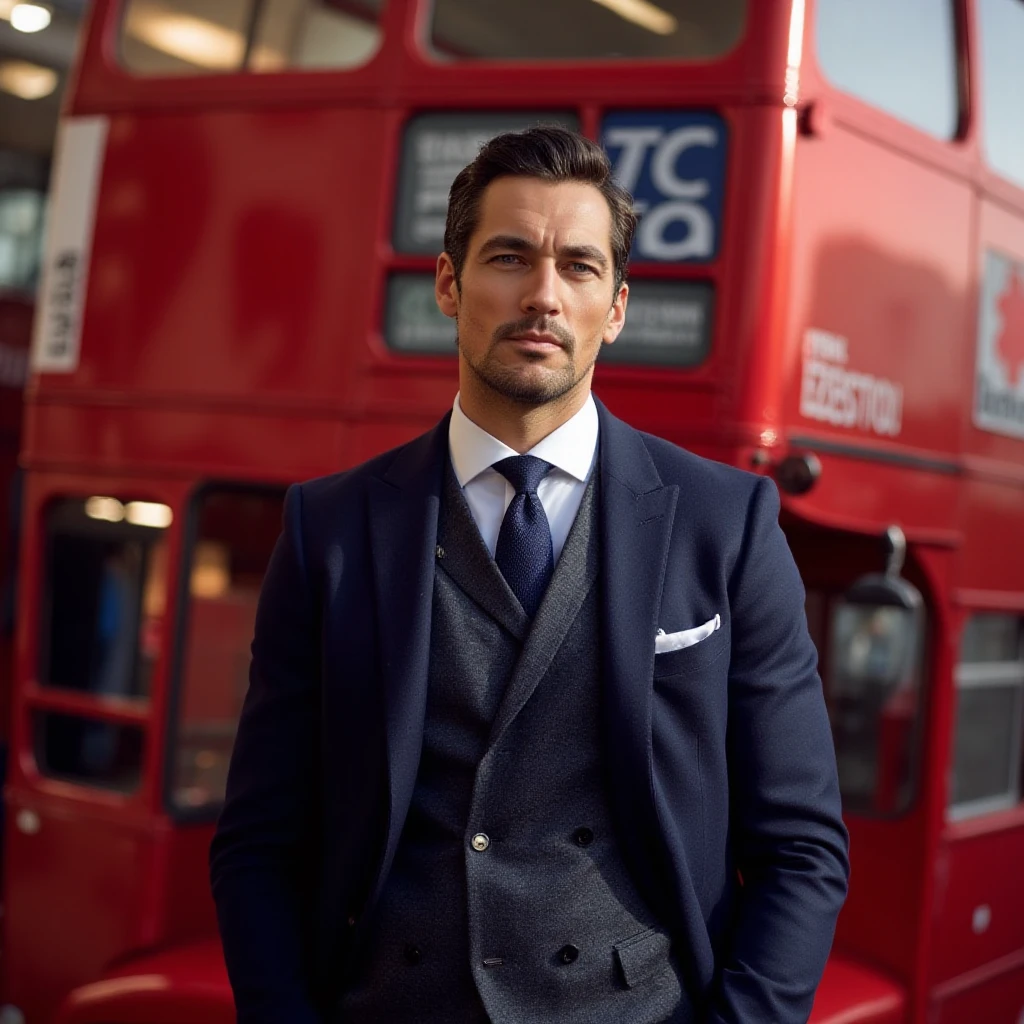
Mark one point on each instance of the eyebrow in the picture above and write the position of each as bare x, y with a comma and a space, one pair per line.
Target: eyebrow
514, 243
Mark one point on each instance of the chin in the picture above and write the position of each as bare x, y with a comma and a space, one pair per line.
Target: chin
534, 389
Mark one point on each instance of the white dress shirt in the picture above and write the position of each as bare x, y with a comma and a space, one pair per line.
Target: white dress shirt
570, 449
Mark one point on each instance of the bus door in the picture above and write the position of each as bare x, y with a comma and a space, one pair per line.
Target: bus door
81, 820
125, 724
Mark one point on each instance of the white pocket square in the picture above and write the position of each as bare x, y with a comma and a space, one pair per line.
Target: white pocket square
665, 642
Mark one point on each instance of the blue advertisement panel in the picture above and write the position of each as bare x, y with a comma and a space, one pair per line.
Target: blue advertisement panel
674, 165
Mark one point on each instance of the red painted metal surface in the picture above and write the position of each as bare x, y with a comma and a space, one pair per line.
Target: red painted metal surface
16, 311
850, 993
233, 331
185, 983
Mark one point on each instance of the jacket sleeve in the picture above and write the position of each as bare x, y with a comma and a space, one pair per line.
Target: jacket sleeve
262, 848
787, 831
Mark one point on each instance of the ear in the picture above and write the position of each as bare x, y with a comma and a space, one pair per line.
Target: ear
446, 291
616, 315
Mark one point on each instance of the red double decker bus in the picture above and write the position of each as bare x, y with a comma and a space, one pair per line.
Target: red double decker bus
827, 287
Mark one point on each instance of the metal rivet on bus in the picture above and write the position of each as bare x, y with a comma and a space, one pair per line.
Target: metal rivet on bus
981, 918
440, 551
28, 822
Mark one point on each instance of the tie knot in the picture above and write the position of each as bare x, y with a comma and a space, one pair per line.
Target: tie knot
524, 472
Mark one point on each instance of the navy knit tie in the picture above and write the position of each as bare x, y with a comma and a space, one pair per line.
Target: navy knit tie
524, 553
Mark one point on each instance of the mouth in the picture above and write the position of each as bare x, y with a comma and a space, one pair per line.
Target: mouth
536, 342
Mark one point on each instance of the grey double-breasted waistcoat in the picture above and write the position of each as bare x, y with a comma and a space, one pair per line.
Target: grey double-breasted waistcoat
509, 900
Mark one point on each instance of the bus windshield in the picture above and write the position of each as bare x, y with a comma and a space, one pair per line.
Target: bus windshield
586, 29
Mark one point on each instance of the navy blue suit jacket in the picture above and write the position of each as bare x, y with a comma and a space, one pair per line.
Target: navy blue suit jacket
720, 759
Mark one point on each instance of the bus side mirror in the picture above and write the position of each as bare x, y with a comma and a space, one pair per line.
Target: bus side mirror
874, 677
879, 625
884, 591
888, 589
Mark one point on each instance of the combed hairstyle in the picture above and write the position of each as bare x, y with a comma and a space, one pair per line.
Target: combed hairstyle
548, 152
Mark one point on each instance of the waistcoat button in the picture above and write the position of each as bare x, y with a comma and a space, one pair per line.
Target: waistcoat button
568, 954
479, 842
413, 954
583, 836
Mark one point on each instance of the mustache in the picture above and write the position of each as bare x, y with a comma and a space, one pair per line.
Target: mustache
539, 324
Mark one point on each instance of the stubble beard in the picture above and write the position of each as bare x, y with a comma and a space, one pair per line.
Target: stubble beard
524, 388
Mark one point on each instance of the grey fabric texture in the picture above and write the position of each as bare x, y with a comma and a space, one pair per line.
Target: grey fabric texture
544, 924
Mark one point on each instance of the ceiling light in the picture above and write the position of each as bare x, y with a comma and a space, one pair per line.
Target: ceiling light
194, 40
148, 513
26, 80
29, 17
108, 509
643, 13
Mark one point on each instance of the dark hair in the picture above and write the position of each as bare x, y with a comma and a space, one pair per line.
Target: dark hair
551, 153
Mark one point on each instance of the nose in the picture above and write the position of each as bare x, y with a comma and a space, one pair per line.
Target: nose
541, 291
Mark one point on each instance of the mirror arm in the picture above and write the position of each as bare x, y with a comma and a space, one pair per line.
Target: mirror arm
895, 551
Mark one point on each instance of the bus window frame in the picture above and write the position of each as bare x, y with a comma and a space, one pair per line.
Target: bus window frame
979, 675
995, 185
107, 85
206, 813
957, 154
31, 697
43, 653
963, 154
251, 36
430, 51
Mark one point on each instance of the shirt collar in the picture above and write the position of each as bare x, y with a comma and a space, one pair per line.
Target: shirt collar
570, 448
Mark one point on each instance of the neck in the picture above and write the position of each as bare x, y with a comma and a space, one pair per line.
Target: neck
521, 426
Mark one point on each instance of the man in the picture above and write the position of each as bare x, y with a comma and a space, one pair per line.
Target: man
534, 731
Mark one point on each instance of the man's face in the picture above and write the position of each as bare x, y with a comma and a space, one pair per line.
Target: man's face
537, 297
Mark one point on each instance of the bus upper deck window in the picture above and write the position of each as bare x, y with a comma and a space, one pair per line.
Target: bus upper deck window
900, 57
195, 37
585, 29
185, 37
1001, 24
315, 34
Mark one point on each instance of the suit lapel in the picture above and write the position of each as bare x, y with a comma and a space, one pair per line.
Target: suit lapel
403, 512
464, 557
637, 514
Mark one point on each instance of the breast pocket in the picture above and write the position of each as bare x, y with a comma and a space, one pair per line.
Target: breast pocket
692, 660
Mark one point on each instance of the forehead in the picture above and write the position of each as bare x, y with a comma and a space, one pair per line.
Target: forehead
554, 213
